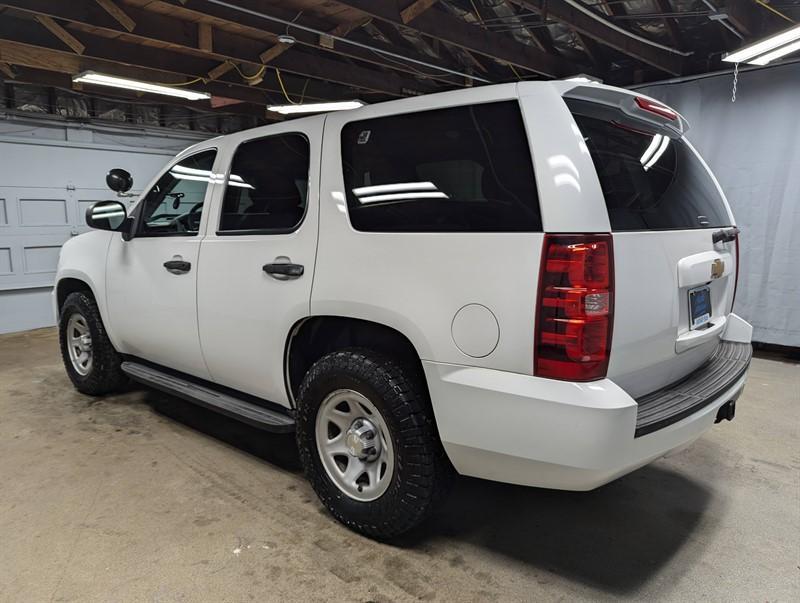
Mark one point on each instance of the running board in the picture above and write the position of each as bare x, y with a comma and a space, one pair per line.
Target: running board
247, 412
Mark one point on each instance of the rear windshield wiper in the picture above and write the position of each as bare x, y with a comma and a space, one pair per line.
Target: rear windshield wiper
726, 235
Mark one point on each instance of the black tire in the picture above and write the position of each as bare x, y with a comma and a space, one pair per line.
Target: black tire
105, 374
422, 473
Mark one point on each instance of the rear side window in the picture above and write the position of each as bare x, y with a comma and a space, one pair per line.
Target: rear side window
268, 186
461, 169
650, 181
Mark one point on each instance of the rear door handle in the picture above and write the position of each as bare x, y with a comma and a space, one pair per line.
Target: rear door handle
284, 271
177, 266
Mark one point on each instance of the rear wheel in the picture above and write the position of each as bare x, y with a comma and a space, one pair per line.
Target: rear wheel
92, 363
368, 442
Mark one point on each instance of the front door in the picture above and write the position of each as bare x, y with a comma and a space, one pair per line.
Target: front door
152, 279
257, 260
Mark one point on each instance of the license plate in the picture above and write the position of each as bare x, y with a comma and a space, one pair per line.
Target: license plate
699, 306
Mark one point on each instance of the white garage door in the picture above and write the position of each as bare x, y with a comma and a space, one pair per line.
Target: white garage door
45, 188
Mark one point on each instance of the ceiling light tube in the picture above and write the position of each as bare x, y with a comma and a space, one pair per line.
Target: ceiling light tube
776, 54
99, 79
746, 54
315, 107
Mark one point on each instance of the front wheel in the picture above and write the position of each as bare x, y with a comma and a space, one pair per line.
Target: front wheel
92, 363
368, 442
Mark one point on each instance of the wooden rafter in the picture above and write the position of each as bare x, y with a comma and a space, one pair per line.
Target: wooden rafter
599, 29
61, 33
205, 37
120, 15
7, 70
54, 62
172, 37
229, 20
148, 64
674, 30
415, 9
453, 30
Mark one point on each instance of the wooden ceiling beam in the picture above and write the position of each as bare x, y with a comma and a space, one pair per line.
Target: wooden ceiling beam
205, 37
264, 29
7, 70
607, 34
671, 23
119, 15
61, 33
176, 36
148, 64
453, 30
415, 9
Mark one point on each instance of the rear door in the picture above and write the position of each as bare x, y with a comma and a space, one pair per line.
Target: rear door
257, 260
674, 284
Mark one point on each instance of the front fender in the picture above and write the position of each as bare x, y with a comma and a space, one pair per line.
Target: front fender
83, 258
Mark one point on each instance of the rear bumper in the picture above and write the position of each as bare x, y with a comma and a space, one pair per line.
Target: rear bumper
539, 432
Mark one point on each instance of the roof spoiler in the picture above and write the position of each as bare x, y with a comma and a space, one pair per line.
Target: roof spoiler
613, 104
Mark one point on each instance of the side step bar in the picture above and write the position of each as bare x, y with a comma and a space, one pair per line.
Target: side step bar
253, 414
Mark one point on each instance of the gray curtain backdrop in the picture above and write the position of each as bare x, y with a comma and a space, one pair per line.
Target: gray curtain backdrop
753, 148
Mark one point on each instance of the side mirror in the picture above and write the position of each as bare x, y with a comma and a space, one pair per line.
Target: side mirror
107, 215
119, 180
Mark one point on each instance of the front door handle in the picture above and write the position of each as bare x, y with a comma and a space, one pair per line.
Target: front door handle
284, 271
177, 266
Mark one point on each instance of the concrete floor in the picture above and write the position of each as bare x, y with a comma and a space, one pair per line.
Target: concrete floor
139, 497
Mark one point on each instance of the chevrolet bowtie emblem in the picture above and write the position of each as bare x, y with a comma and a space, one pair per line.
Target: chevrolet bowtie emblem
717, 268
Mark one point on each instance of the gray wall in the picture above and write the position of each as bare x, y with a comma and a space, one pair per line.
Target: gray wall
753, 147
50, 172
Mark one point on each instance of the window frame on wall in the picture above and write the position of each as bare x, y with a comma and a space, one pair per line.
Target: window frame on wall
139, 210
469, 225
264, 231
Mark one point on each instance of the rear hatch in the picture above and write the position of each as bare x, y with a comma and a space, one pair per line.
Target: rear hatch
674, 238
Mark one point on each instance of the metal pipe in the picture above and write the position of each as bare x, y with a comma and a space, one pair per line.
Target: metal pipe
288, 23
590, 13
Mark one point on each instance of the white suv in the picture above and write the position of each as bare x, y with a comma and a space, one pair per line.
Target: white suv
530, 283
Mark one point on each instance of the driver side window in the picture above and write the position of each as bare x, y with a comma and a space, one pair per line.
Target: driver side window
175, 204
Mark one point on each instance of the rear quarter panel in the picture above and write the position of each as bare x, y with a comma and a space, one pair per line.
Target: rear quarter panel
417, 282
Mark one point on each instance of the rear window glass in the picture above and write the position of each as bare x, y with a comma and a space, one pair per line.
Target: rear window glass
651, 181
461, 169
267, 186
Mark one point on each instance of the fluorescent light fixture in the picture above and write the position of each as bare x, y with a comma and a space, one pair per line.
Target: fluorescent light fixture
776, 54
746, 54
394, 188
315, 107
402, 197
91, 77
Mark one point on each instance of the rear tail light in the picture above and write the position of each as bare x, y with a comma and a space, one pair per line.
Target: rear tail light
645, 104
575, 309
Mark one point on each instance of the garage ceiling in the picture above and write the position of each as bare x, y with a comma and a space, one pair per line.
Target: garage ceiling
371, 50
